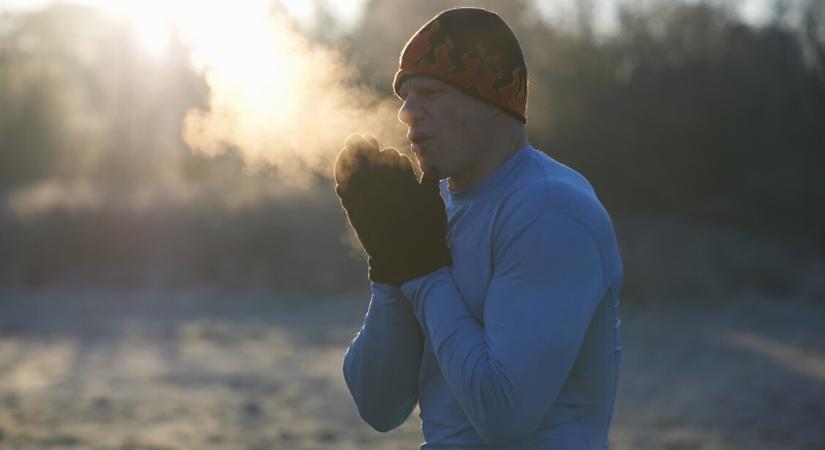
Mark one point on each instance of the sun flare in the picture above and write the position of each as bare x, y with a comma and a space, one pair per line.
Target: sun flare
275, 98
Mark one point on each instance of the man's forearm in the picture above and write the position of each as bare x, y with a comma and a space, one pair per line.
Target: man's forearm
381, 365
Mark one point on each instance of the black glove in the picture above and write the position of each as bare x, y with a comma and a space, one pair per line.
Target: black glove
400, 222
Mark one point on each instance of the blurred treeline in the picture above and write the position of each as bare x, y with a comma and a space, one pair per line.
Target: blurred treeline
704, 136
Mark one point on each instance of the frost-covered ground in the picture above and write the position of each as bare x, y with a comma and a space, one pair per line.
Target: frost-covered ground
203, 370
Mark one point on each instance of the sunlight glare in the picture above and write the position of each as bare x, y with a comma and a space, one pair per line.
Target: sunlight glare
150, 20
275, 98
301, 10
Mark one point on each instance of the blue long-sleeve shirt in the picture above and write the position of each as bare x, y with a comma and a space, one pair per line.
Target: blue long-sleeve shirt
516, 346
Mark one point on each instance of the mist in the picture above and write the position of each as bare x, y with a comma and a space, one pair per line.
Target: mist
176, 270
281, 102
237, 108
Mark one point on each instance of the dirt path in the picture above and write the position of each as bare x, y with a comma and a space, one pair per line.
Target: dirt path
207, 371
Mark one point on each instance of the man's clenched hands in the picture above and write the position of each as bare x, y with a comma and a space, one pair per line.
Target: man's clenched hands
400, 222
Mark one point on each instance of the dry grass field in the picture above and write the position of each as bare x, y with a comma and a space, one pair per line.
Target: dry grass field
206, 370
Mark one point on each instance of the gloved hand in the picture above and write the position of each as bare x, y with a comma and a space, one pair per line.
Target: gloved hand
400, 222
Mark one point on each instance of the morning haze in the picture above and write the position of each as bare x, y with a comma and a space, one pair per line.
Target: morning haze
176, 269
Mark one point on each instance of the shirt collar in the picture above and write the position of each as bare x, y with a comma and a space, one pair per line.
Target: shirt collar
493, 179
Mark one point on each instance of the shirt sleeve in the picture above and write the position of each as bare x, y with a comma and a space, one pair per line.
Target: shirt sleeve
507, 371
381, 365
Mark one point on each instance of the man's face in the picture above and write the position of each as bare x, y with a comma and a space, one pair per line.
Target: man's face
445, 125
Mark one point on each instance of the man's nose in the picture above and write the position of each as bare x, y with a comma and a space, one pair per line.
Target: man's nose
409, 111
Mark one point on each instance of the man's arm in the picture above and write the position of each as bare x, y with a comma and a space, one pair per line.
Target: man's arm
401, 224
382, 363
507, 372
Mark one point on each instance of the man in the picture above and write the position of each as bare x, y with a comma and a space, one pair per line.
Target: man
494, 293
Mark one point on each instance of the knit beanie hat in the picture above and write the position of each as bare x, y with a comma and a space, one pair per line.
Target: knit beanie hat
474, 50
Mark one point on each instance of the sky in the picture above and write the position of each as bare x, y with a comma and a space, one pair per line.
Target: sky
153, 19
349, 11
752, 11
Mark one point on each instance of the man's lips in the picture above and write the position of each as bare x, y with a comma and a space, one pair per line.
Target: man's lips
418, 143
417, 138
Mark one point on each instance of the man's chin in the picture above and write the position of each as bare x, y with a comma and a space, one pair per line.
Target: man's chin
427, 165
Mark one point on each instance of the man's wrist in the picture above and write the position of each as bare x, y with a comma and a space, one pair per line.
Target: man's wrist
406, 266
385, 293
412, 287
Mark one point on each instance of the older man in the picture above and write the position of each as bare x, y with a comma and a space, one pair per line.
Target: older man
494, 291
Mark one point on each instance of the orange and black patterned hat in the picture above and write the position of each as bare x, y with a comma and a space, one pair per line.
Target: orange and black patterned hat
474, 50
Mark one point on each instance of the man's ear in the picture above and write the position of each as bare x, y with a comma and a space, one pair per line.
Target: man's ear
494, 114
488, 110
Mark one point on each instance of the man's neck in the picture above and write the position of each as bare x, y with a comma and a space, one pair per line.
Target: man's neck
491, 157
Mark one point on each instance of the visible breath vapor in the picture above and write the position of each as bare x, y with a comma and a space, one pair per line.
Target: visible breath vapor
279, 101
275, 100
